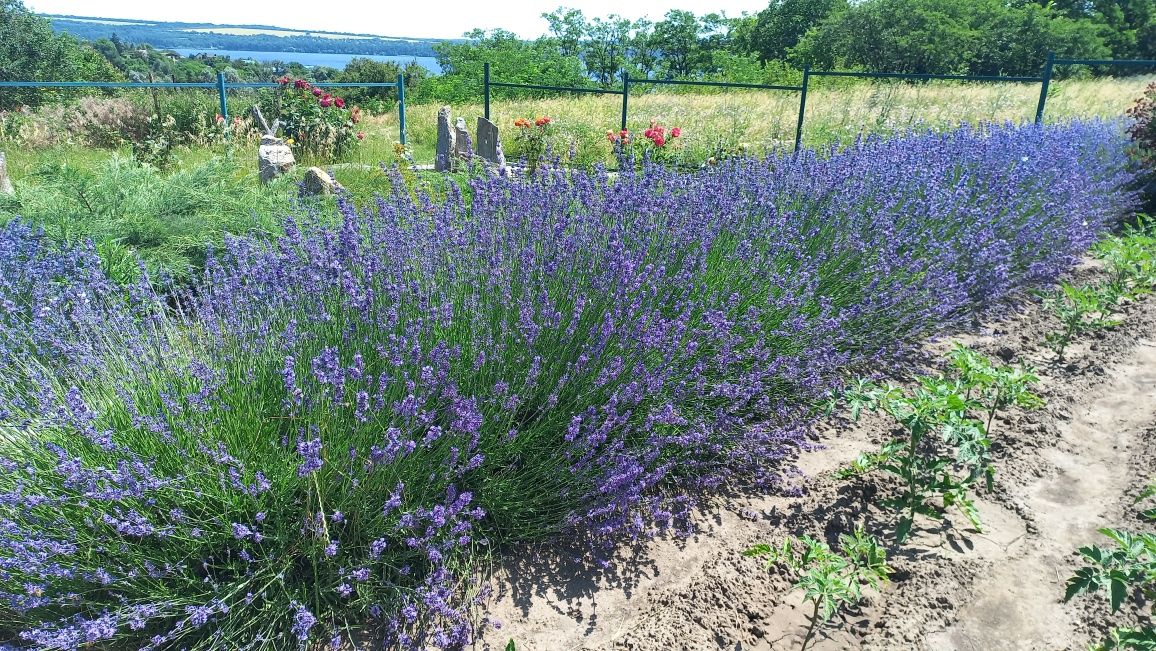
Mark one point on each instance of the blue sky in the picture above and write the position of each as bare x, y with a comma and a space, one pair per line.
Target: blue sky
427, 19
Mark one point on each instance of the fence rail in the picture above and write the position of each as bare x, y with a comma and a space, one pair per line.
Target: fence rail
222, 87
1044, 80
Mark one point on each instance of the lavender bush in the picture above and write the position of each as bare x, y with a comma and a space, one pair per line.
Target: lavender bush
322, 436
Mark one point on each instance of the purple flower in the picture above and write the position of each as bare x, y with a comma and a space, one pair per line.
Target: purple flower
303, 621
310, 451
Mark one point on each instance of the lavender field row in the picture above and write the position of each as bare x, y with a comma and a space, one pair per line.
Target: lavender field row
321, 437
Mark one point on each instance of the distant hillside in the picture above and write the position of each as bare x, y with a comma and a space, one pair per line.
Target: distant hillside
263, 38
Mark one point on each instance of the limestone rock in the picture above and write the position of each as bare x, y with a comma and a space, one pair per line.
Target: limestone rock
463, 144
5, 182
444, 159
274, 158
318, 182
487, 145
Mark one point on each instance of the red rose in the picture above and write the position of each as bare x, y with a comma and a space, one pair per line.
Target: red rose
361, 135
326, 101
675, 132
339, 102
283, 80
301, 83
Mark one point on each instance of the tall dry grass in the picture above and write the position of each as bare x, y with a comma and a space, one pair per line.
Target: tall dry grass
836, 112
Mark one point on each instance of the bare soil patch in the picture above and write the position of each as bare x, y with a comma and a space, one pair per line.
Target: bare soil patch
1063, 472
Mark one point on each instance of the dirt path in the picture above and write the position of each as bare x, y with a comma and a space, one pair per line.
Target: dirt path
1064, 472
1017, 605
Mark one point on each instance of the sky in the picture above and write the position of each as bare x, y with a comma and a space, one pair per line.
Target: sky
414, 18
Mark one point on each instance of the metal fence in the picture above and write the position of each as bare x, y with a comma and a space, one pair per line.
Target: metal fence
222, 87
1044, 80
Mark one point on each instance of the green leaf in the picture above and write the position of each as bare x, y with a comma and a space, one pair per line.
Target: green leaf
761, 549
904, 528
1084, 581
1119, 592
510, 646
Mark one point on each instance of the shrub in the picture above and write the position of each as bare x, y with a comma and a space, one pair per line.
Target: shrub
1143, 126
317, 122
108, 122
531, 141
335, 425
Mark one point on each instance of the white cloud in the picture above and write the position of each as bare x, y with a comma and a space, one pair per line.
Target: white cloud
439, 19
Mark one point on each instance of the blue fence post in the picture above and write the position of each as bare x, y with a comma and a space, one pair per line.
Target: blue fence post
486, 86
802, 107
625, 96
221, 93
1047, 81
401, 106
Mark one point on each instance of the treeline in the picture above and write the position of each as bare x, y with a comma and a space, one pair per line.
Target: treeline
972, 37
177, 35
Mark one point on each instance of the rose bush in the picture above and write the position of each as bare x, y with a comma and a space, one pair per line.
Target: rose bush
317, 122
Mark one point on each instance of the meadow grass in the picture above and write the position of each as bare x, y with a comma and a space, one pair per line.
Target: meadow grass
837, 112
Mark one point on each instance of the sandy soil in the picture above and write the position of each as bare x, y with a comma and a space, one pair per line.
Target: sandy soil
1063, 471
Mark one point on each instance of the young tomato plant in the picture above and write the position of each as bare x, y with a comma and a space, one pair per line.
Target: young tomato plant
994, 388
1131, 258
1125, 568
943, 467
829, 580
1081, 309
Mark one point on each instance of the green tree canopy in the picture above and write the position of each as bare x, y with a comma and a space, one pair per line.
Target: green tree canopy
981, 37
512, 60
31, 51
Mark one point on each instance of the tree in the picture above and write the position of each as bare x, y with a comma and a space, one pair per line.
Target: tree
986, 37
567, 27
1019, 40
677, 39
31, 51
779, 27
512, 60
606, 46
363, 69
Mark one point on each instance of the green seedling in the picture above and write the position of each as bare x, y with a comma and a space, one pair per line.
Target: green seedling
829, 580
1131, 258
1125, 568
945, 448
1081, 309
1148, 493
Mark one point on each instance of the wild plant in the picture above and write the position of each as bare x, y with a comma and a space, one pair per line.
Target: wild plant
830, 580
1125, 568
1081, 309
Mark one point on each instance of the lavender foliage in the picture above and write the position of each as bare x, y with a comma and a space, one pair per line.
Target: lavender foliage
332, 425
